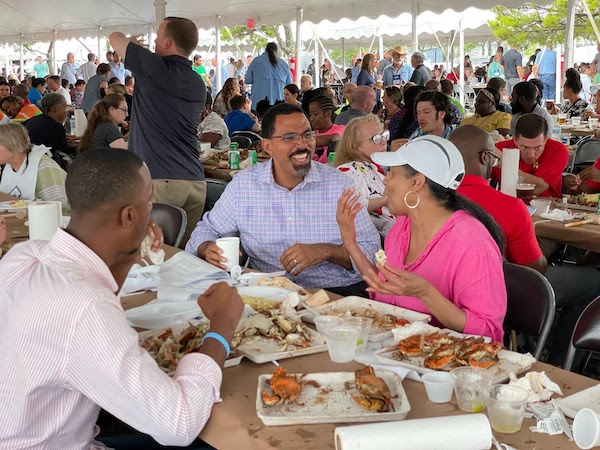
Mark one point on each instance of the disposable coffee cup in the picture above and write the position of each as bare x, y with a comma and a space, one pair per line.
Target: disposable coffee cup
231, 251
575, 121
586, 429
439, 386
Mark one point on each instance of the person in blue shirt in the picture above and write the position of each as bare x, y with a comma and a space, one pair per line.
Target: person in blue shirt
545, 69
268, 74
38, 85
397, 73
239, 118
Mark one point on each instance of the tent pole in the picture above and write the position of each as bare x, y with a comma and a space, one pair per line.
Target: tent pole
415, 37
317, 79
570, 34
99, 34
297, 70
160, 6
149, 36
380, 47
54, 68
21, 71
218, 81
558, 77
343, 56
461, 62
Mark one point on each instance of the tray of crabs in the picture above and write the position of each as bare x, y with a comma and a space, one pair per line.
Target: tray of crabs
271, 331
366, 395
425, 348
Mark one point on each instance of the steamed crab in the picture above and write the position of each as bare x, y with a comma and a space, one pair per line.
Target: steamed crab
286, 388
377, 395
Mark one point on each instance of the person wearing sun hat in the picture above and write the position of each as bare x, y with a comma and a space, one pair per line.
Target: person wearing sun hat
397, 73
444, 253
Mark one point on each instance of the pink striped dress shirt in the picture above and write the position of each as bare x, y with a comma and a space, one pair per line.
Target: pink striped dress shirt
67, 351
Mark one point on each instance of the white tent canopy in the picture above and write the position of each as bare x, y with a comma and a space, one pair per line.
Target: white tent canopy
38, 20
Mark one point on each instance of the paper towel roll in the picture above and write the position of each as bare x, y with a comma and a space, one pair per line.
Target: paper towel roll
510, 171
464, 432
44, 219
80, 123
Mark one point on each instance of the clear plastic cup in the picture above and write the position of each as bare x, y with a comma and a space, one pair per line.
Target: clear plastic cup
363, 324
542, 206
321, 322
586, 429
469, 386
506, 407
562, 118
593, 123
575, 121
439, 386
341, 342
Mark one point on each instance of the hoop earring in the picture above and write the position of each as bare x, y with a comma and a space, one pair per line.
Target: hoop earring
418, 199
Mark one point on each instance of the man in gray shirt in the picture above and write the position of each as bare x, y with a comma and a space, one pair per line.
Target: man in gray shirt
362, 103
421, 75
523, 101
513, 68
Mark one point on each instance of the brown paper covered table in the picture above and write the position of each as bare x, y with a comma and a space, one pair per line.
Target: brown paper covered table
586, 236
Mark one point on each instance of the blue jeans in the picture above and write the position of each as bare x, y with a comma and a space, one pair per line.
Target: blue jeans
549, 81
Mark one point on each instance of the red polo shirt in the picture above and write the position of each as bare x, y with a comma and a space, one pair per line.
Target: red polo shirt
550, 166
512, 216
593, 184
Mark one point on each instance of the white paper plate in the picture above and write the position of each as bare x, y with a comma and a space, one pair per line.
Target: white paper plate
267, 349
156, 315
353, 303
6, 206
331, 402
508, 362
270, 292
588, 398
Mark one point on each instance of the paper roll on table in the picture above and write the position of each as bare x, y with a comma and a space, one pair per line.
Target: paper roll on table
464, 432
44, 219
510, 171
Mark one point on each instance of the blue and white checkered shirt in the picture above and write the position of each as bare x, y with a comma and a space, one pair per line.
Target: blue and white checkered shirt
270, 218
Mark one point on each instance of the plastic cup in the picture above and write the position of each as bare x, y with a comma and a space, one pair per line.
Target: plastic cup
525, 192
469, 387
231, 251
562, 118
322, 322
439, 386
363, 324
541, 206
575, 121
341, 342
593, 123
586, 429
506, 407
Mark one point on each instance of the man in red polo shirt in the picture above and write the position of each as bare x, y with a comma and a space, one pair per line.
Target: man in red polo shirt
587, 182
574, 286
542, 161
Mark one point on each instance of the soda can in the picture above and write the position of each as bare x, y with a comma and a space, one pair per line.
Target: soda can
234, 159
331, 158
234, 146
252, 155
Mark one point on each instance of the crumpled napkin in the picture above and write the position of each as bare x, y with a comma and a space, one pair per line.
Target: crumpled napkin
539, 386
411, 329
559, 215
147, 252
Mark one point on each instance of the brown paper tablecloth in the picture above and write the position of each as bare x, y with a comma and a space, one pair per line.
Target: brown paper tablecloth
586, 236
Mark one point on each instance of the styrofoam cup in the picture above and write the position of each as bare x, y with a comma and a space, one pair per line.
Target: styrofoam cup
586, 429
575, 121
439, 386
231, 251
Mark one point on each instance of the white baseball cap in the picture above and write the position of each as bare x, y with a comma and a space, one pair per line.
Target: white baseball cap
436, 158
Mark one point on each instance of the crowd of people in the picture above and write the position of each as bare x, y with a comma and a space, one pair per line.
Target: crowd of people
409, 170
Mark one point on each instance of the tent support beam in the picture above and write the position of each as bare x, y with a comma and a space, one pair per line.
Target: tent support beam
99, 35
343, 55
161, 11
570, 34
461, 62
297, 71
150, 36
415, 36
218, 81
21, 71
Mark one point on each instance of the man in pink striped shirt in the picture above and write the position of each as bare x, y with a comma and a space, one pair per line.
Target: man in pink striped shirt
65, 344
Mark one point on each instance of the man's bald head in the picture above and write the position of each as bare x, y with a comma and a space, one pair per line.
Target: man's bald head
362, 97
473, 142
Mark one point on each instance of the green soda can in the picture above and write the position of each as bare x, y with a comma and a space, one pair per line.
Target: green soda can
331, 158
252, 155
234, 159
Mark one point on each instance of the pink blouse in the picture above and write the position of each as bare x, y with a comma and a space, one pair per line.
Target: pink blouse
335, 129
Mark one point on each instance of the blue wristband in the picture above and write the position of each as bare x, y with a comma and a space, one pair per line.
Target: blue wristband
221, 339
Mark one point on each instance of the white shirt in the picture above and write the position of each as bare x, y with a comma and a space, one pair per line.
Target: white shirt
87, 70
213, 123
67, 351
62, 91
586, 84
230, 70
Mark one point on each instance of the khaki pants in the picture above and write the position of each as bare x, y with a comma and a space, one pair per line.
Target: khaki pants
189, 195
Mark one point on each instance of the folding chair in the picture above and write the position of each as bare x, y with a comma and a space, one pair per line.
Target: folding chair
586, 154
586, 335
214, 189
172, 220
531, 305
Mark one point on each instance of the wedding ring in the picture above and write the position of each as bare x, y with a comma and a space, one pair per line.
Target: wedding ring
295, 261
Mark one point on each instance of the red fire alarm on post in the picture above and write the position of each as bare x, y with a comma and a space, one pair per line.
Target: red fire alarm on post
250, 24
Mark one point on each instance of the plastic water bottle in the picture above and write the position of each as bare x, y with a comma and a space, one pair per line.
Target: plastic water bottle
72, 125
556, 132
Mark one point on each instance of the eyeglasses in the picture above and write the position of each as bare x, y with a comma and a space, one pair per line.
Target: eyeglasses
379, 138
495, 158
125, 110
294, 138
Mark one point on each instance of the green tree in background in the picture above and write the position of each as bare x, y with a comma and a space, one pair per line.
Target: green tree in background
532, 24
349, 54
261, 35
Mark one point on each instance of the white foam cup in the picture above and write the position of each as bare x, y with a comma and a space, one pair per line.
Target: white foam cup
586, 429
231, 251
439, 386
